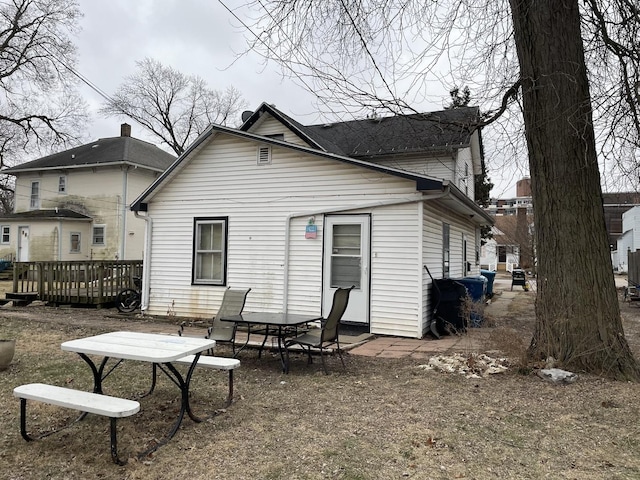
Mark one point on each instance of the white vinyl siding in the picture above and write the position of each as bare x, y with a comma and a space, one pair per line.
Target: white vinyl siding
396, 271
442, 166
267, 211
225, 180
433, 219
270, 127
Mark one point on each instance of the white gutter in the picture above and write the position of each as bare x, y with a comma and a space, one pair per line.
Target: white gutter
60, 233
145, 261
287, 234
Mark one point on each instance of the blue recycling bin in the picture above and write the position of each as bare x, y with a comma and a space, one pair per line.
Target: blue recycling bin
490, 276
477, 288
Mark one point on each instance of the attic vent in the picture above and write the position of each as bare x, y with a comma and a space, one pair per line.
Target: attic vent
264, 155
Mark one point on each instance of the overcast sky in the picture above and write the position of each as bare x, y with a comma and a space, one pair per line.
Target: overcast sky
196, 37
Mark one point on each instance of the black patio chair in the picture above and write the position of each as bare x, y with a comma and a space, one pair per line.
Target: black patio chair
327, 335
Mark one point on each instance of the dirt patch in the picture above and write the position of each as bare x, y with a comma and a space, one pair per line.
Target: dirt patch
376, 419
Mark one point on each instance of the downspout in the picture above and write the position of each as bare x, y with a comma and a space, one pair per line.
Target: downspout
145, 263
123, 214
59, 252
287, 234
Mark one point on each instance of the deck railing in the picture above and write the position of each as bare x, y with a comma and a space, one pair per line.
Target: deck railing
76, 282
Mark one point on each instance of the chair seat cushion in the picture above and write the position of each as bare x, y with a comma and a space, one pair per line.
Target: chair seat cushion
311, 338
221, 334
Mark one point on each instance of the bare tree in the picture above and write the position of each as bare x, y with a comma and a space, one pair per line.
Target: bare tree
39, 106
525, 54
175, 107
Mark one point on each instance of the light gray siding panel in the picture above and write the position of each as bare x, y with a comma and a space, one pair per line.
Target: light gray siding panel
442, 166
395, 271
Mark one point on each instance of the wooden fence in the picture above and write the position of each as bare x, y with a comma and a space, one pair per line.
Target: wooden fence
83, 283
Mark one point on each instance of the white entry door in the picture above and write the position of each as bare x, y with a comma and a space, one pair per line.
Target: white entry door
346, 263
23, 244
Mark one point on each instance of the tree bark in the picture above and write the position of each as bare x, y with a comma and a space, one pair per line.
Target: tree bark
582, 331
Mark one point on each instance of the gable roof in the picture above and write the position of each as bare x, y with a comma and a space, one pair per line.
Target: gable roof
424, 183
102, 152
445, 130
402, 134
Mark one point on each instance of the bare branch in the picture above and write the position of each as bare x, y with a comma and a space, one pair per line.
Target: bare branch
173, 106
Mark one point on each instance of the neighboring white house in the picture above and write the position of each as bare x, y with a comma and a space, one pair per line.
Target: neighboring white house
629, 241
296, 211
74, 205
502, 252
499, 257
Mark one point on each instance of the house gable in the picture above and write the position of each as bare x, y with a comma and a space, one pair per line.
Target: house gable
422, 182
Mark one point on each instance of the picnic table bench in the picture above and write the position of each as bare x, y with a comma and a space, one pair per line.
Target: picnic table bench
96, 403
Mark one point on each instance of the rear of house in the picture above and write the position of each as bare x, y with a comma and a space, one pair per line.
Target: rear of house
262, 208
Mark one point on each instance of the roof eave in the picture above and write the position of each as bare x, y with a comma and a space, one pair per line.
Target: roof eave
15, 170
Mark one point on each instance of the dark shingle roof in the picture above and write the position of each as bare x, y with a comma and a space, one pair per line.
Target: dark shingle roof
101, 152
53, 214
401, 134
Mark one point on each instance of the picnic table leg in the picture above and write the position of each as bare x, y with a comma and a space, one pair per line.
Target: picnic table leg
154, 374
183, 384
98, 372
114, 443
23, 420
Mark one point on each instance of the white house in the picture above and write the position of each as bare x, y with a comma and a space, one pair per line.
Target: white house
74, 205
629, 241
296, 211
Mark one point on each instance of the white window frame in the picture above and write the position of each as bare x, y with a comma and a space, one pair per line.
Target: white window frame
62, 184
34, 202
5, 232
446, 250
201, 255
71, 249
104, 235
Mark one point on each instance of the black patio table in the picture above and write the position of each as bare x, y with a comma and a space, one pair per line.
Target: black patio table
279, 325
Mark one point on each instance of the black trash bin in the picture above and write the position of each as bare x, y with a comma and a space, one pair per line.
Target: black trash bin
446, 307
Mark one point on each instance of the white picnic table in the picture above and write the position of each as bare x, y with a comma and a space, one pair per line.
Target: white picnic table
158, 349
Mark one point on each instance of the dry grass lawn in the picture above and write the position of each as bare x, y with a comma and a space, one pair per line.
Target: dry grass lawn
378, 419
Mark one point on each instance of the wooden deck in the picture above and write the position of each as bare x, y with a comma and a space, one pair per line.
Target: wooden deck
93, 283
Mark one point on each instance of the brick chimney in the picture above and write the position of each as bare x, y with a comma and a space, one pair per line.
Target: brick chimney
125, 130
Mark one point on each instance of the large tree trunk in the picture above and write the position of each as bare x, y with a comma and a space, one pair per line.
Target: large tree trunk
577, 313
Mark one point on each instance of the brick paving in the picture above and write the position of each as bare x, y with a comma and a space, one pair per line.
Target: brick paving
471, 341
